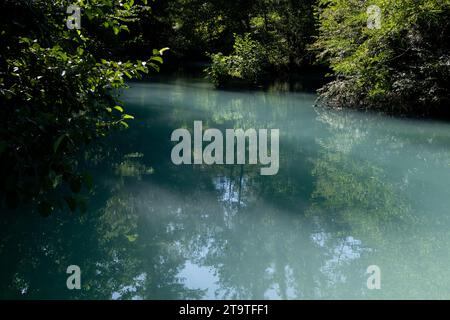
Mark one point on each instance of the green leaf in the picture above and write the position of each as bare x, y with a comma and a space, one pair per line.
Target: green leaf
124, 124
158, 59
127, 116
127, 74
118, 108
154, 66
161, 52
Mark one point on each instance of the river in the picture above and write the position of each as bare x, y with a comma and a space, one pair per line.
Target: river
353, 190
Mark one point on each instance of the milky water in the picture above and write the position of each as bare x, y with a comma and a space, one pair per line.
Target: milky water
353, 190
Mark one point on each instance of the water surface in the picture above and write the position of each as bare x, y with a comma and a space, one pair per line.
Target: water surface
353, 190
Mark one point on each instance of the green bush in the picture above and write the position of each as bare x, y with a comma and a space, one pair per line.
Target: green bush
248, 62
56, 95
218, 72
402, 67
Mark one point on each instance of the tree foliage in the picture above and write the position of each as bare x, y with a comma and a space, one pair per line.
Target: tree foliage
273, 40
57, 94
195, 29
402, 67
247, 62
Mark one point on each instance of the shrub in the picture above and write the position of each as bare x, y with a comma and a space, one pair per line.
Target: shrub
248, 62
56, 88
403, 67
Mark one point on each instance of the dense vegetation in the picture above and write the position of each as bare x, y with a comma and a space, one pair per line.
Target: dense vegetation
401, 67
57, 85
274, 42
55, 95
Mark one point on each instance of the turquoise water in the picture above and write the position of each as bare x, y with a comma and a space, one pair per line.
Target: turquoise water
353, 190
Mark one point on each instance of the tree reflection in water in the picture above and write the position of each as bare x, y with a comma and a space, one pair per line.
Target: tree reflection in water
353, 190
